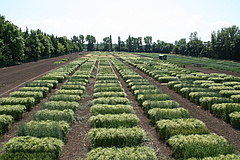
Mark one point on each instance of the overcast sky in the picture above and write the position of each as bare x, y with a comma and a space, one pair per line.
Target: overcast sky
166, 20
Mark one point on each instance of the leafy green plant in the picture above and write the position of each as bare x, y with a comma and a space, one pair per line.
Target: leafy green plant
166, 79
220, 157
125, 153
111, 101
147, 91
199, 146
55, 115
168, 128
118, 137
40, 129
157, 114
73, 87
110, 109
229, 93
60, 105
65, 97
70, 92
223, 110
29, 102
53, 82
16, 111
114, 120
44, 90
149, 104
30, 144
236, 98
28, 156
235, 119
195, 96
207, 102
5, 121
109, 94
157, 97
108, 89
21, 94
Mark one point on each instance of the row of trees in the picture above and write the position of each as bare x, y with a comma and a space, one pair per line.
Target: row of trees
18, 46
224, 44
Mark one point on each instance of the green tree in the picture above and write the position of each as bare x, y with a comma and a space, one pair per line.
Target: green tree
148, 43
91, 40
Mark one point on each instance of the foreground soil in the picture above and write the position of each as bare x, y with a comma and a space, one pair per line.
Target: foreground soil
77, 145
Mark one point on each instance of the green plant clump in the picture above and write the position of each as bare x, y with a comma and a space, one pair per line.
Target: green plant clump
110, 109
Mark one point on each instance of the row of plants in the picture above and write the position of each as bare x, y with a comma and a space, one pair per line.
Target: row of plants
188, 137
44, 136
25, 98
115, 133
218, 93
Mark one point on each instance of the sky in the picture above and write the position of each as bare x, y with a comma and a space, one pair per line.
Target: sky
165, 20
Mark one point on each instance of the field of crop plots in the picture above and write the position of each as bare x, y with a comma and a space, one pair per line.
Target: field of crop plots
115, 106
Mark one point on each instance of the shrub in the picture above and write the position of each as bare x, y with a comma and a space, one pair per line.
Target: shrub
167, 79
44, 90
219, 157
143, 87
228, 93
109, 94
53, 82
237, 87
199, 146
108, 89
107, 85
29, 102
55, 115
195, 96
56, 76
216, 79
70, 92
219, 88
157, 97
28, 156
30, 144
157, 114
75, 83
22, 94
231, 83
144, 91
15, 111
235, 119
236, 98
207, 102
46, 128
5, 121
118, 137
73, 87
172, 83
169, 128
126, 153
111, 100
39, 84
147, 105
60, 105
186, 90
65, 97
114, 120
110, 109
224, 109
207, 85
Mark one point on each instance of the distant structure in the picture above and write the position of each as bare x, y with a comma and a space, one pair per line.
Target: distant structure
162, 57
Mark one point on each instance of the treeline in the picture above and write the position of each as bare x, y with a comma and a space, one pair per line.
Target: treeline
20, 46
224, 44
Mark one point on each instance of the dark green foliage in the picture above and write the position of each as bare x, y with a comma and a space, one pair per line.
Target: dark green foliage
5, 121
65, 97
125, 153
28, 156
149, 104
118, 137
29, 102
41, 129
15, 111
110, 109
60, 105
114, 120
55, 115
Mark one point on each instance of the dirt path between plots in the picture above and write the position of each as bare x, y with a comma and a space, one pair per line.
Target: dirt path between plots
214, 124
15, 76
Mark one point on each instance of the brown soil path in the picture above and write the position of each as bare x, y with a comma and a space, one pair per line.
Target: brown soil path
15, 76
214, 124
77, 145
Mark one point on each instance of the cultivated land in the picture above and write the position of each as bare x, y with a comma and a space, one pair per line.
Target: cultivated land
77, 143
